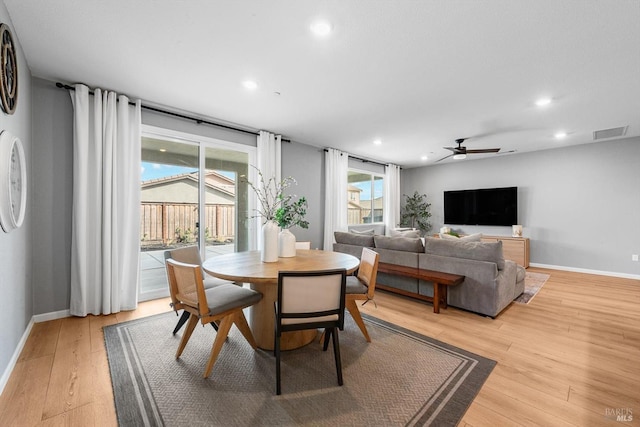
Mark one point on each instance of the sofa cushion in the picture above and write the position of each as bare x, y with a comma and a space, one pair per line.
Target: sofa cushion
405, 233
479, 251
353, 239
405, 244
470, 238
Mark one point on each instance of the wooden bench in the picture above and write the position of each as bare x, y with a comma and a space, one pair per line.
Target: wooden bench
440, 282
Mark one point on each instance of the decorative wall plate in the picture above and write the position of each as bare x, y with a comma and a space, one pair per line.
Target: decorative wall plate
8, 71
13, 182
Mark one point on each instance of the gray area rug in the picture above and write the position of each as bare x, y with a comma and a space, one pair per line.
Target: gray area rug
533, 282
400, 378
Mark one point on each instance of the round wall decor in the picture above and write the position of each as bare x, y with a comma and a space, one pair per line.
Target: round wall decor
8, 71
13, 182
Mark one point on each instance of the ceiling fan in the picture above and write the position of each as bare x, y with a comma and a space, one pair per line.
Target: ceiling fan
461, 152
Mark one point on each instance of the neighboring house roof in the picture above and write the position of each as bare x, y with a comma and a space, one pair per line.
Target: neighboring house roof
377, 203
213, 180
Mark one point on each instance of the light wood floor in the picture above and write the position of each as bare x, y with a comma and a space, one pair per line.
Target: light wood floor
565, 359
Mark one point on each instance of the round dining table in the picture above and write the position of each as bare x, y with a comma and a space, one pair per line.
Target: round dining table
246, 267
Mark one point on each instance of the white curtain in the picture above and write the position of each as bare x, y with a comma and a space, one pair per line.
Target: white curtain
106, 203
391, 197
269, 164
335, 194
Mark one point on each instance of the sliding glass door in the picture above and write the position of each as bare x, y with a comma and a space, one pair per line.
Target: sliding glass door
193, 192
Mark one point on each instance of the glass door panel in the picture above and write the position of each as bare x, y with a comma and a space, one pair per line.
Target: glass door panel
169, 208
225, 214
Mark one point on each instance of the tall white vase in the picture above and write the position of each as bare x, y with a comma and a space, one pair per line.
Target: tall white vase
269, 242
286, 244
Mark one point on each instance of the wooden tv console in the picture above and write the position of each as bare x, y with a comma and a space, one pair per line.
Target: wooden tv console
514, 248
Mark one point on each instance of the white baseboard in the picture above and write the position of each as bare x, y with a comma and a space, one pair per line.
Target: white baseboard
16, 354
51, 316
586, 271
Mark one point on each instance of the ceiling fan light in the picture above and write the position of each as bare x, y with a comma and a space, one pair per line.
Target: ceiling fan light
459, 156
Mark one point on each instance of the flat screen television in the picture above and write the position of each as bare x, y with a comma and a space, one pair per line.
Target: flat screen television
486, 206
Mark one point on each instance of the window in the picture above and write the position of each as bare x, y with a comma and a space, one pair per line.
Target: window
365, 198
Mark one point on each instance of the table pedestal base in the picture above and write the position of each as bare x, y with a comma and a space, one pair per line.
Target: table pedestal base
262, 322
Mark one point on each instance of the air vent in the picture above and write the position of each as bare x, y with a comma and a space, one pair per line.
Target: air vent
609, 133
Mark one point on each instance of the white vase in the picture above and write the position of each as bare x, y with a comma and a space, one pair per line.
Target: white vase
269, 242
286, 244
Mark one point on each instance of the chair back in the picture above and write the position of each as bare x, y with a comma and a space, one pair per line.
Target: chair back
186, 285
186, 254
303, 245
368, 270
313, 299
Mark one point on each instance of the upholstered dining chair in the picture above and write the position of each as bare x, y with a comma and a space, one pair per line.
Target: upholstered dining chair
303, 245
362, 287
221, 304
190, 255
310, 300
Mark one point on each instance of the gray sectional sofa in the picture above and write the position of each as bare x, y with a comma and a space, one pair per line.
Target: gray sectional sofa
491, 283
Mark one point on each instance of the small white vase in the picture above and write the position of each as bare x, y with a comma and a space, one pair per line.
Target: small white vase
286, 244
269, 242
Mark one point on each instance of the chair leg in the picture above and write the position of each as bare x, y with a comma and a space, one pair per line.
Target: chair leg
276, 350
336, 354
243, 326
221, 336
193, 321
183, 318
350, 304
327, 336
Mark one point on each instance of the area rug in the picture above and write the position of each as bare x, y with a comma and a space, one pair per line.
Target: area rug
533, 282
399, 379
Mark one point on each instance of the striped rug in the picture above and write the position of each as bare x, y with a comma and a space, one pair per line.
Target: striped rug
399, 379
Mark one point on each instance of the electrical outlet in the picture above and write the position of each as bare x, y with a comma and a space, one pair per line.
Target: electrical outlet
634, 257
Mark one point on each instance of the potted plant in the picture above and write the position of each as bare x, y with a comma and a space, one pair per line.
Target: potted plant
290, 214
415, 212
277, 210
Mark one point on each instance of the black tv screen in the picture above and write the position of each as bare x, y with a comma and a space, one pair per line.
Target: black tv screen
487, 206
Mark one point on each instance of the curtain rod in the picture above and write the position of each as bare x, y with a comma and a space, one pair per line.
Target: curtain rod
182, 116
361, 159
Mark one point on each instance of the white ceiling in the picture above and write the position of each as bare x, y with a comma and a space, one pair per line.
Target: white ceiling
414, 74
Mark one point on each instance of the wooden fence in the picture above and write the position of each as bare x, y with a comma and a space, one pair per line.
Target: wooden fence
167, 223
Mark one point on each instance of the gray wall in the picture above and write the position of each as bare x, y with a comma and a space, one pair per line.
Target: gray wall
16, 247
306, 164
579, 205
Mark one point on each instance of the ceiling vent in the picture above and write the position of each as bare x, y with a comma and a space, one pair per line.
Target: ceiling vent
609, 133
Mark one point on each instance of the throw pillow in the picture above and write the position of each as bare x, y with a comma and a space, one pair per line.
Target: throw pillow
477, 237
405, 233
369, 232
404, 244
353, 239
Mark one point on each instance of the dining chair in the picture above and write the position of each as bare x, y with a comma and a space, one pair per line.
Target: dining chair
221, 304
362, 287
303, 245
310, 300
190, 255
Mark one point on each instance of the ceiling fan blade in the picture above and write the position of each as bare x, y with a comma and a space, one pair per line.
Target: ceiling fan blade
485, 150
451, 148
450, 155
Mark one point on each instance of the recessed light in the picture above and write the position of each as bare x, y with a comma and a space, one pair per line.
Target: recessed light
560, 135
321, 28
162, 150
423, 158
250, 84
543, 102
377, 142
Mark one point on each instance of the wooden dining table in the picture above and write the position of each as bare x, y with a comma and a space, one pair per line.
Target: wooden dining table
246, 267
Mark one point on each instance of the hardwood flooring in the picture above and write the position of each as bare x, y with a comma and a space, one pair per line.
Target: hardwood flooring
569, 358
